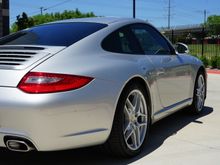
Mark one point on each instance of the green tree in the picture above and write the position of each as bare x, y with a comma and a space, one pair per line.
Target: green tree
213, 23
25, 21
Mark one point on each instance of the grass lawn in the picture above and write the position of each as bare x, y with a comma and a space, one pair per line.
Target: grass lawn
209, 50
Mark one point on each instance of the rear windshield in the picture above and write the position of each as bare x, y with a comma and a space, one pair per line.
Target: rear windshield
57, 34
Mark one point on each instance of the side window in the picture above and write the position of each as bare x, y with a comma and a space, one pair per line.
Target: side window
150, 40
122, 41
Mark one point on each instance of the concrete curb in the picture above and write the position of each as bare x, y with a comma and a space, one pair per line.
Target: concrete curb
213, 71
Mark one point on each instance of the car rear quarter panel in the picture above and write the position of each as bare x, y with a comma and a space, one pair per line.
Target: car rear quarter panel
52, 120
87, 58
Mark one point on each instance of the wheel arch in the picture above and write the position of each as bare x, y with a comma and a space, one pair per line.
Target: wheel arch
133, 80
141, 81
203, 71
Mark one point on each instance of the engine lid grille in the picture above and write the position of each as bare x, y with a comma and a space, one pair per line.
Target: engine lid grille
20, 57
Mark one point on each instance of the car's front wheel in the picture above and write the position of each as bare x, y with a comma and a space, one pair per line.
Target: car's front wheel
131, 122
199, 94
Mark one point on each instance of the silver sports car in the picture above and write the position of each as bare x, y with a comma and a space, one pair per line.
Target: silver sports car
92, 81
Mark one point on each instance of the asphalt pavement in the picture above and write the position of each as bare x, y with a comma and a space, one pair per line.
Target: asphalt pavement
180, 139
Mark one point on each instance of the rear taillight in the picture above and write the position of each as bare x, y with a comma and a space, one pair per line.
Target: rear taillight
40, 82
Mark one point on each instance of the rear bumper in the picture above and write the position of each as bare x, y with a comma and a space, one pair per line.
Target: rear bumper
57, 121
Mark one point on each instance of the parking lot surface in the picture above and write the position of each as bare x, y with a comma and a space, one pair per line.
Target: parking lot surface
180, 139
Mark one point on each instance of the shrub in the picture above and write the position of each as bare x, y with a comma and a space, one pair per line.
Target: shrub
215, 61
195, 55
205, 60
218, 62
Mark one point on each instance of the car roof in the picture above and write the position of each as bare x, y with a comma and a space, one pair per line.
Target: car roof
104, 20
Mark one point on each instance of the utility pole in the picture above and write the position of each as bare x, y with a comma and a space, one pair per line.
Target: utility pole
203, 31
205, 14
169, 7
134, 9
41, 10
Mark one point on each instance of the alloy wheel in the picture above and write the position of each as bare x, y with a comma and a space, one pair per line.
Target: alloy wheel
200, 92
136, 120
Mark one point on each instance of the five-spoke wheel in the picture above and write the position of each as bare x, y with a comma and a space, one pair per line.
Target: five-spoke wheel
199, 94
136, 116
131, 122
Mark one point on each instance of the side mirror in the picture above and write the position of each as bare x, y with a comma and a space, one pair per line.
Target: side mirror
181, 48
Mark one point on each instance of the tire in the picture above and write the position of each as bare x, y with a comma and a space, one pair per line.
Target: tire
199, 94
131, 123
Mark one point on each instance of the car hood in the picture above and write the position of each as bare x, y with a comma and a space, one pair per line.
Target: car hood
17, 60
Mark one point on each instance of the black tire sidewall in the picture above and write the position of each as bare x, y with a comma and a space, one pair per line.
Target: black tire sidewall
120, 113
194, 108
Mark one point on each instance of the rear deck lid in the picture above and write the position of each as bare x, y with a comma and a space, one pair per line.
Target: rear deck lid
17, 60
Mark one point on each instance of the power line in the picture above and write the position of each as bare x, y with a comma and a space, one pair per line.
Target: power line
53, 6
44, 9
204, 12
58, 4
143, 5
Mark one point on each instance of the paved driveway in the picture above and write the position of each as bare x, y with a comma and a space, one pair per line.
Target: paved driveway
181, 139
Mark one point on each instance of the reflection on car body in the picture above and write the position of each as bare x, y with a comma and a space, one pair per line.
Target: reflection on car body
91, 81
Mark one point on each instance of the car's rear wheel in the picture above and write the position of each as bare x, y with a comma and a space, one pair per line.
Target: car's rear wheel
199, 94
131, 123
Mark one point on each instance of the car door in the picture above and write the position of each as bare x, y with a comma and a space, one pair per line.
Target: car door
171, 72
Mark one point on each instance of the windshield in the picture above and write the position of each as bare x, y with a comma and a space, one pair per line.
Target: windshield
57, 34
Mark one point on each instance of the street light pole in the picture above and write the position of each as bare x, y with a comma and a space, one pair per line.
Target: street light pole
134, 9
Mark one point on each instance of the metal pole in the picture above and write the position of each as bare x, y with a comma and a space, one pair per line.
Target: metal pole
203, 32
134, 8
203, 38
169, 15
4, 18
172, 36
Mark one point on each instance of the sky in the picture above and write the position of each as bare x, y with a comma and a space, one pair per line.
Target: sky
183, 12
